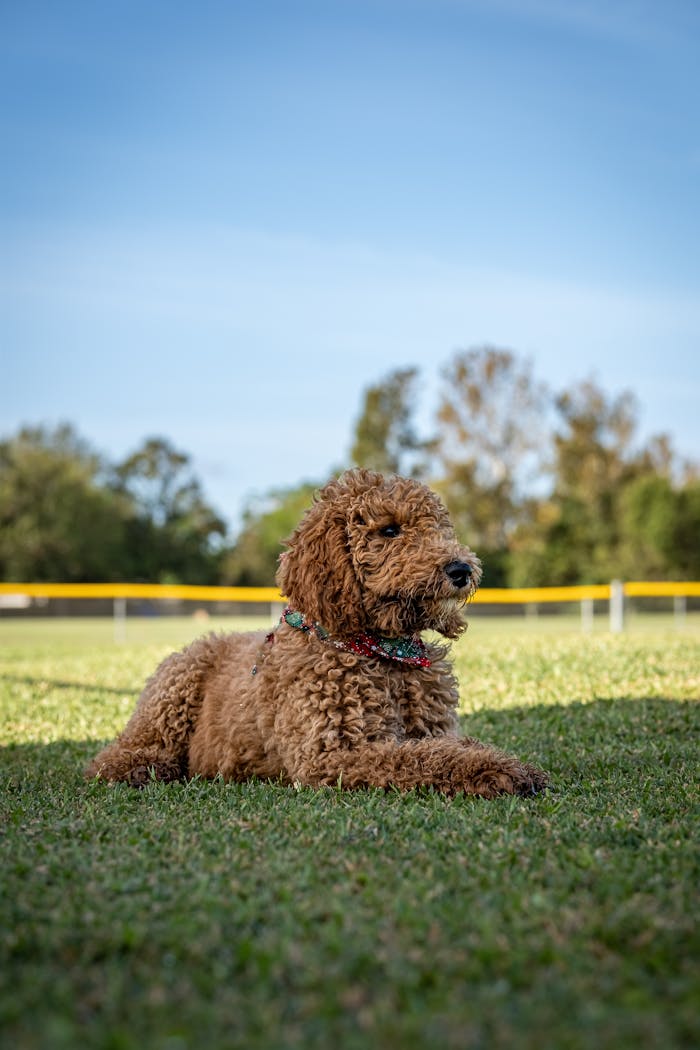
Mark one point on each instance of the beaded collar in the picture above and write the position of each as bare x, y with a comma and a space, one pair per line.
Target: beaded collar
410, 651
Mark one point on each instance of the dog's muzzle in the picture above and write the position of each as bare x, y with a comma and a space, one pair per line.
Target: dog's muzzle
459, 572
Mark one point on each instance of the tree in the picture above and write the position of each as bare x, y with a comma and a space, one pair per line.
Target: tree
594, 461
267, 522
489, 447
613, 510
385, 434
58, 522
661, 526
686, 548
593, 445
173, 533
66, 515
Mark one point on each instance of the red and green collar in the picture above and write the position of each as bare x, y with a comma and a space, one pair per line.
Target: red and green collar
410, 651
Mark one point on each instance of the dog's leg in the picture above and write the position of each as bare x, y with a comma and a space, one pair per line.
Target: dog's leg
450, 764
135, 766
156, 738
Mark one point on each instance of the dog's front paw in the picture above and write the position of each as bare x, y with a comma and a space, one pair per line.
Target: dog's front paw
139, 776
490, 772
519, 779
492, 783
530, 780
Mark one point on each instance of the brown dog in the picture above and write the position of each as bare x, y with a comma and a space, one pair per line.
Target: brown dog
344, 690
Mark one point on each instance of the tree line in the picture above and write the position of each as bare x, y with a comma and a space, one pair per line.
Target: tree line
549, 487
68, 515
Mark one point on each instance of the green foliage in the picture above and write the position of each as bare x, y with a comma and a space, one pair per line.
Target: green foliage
649, 508
593, 451
266, 524
548, 489
258, 916
606, 508
687, 530
173, 534
614, 510
66, 515
662, 526
58, 521
489, 440
385, 434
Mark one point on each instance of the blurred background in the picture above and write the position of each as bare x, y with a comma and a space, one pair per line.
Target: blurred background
246, 245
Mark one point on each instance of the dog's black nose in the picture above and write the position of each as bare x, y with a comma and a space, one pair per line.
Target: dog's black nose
459, 572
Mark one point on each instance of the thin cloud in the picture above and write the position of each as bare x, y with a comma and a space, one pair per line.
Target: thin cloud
627, 21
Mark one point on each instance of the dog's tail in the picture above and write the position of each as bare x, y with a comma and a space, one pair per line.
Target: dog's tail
155, 741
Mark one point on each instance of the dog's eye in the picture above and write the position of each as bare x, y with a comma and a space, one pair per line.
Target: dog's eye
389, 531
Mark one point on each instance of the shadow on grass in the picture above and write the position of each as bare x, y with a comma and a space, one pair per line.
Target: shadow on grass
57, 683
615, 741
607, 740
61, 760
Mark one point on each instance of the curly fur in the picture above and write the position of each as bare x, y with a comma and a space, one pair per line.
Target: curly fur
370, 555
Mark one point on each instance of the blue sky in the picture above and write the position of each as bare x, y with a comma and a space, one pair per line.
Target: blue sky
220, 222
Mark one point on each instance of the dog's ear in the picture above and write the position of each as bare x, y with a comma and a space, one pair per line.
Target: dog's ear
315, 573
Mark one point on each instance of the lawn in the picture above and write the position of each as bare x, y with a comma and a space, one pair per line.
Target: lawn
211, 915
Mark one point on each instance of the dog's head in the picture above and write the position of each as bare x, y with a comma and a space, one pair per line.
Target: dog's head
378, 554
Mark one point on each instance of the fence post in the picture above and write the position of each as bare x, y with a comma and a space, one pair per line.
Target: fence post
587, 615
617, 606
679, 608
120, 619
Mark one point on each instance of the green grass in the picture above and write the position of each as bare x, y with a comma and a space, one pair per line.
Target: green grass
212, 915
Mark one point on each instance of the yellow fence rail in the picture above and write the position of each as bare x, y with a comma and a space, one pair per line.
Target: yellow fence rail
614, 593
175, 591
487, 595
535, 595
662, 590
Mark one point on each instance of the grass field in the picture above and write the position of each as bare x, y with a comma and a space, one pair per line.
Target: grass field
212, 915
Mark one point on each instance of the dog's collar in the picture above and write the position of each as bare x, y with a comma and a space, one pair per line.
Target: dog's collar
410, 651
